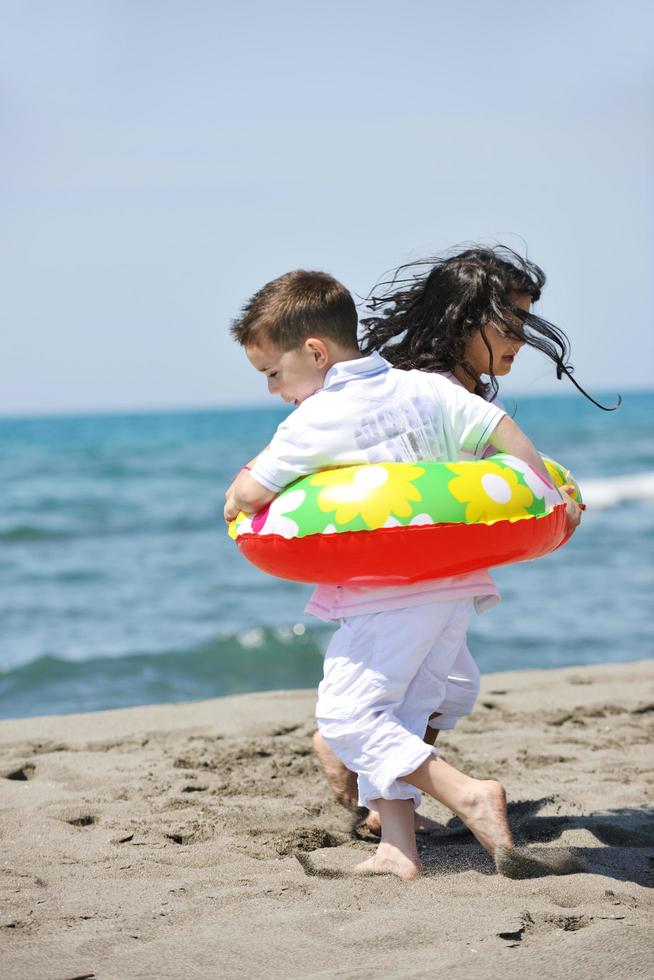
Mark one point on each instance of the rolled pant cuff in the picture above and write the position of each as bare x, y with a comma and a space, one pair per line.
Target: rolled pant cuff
444, 723
387, 783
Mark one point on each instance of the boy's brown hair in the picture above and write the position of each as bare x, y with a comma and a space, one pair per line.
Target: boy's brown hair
295, 306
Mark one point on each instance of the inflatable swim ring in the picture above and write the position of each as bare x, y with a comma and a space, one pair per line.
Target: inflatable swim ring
395, 523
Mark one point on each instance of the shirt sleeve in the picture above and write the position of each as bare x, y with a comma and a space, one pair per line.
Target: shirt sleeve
301, 445
472, 419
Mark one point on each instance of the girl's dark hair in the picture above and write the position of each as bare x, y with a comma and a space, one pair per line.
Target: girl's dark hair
426, 312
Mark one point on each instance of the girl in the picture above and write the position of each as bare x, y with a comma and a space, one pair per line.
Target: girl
465, 316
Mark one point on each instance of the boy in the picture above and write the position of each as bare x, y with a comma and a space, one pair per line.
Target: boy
386, 668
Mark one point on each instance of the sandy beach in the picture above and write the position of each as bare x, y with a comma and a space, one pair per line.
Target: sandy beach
161, 842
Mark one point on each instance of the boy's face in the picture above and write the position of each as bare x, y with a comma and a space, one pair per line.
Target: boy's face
294, 375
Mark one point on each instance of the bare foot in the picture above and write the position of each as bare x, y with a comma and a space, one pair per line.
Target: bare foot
484, 814
423, 825
373, 823
479, 803
342, 781
390, 860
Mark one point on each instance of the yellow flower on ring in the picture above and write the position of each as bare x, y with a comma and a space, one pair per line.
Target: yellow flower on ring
491, 491
374, 492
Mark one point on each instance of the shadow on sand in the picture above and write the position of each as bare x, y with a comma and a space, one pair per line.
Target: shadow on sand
627, 836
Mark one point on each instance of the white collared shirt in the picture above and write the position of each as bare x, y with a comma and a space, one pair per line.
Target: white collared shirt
368, 412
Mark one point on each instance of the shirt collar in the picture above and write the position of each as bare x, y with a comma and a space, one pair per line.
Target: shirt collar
360, 367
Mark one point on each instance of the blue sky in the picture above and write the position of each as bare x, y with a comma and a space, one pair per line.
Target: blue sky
162, 160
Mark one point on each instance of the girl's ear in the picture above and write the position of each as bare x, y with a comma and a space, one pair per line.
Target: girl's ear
317, 348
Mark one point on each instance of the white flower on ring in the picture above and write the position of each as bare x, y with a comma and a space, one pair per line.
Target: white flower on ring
276, 520
535, 482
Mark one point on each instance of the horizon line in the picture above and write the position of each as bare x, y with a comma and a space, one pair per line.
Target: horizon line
117, 411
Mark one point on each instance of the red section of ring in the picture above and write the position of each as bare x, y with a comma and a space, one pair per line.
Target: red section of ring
400, 555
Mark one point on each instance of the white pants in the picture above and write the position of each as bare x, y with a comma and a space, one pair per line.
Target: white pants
384, 675
461, 691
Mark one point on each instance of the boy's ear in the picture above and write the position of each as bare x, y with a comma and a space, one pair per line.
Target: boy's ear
318, 350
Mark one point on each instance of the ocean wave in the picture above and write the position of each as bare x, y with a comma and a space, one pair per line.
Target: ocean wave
257, 659
22, 533
600, 494
31, 532
610, 491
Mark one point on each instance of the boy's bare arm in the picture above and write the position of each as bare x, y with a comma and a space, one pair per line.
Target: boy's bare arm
248, 466
246, 494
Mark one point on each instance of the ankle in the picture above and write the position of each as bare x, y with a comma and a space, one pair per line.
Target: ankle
480, 788
394, 850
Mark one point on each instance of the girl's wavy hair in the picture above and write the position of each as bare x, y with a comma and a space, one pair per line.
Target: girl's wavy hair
426, 312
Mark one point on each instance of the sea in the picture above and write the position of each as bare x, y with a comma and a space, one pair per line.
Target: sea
119, 585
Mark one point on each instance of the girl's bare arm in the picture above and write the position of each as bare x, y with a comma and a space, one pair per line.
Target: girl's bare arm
509, 438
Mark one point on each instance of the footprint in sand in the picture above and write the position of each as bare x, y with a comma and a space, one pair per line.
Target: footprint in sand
312, 871
76, 818
22, 774
87, 820
540, 924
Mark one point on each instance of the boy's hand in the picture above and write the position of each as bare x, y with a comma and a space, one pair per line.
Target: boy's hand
231, 511
572, 508
245, 494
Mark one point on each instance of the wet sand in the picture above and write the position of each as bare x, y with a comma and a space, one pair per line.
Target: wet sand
199, 840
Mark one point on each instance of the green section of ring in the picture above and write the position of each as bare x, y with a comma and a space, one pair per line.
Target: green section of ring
432, 485
430, 482
561, 475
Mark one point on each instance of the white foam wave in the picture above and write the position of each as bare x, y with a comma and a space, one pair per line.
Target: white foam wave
612, 490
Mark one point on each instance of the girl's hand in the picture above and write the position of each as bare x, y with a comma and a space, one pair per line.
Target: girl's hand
572, 508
